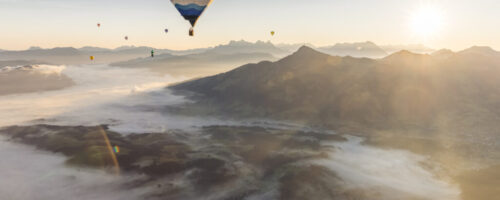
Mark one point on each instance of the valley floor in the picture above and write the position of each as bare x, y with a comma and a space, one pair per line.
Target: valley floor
54, 145
235, 162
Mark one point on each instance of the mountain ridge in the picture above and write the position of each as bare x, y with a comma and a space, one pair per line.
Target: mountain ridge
358, 49
400, 90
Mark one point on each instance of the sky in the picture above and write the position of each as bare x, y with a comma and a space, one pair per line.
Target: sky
62, 23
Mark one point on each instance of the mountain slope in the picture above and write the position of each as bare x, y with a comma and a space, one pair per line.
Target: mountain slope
445, 108
404, 89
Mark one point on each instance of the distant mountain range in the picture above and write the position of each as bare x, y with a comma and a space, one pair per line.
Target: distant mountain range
247, 47
70, 55
446, 91
212, 61
415, 48
293, 47
362, 49
371, 50
194, 65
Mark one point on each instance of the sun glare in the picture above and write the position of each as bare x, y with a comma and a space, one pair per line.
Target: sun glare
427, 21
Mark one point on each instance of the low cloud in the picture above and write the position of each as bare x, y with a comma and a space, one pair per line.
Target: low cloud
393, 173
28, 174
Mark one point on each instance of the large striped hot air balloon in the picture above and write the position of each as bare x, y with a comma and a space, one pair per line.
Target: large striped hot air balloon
191, 10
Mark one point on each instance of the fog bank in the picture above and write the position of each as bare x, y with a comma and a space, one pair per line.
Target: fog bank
29, 174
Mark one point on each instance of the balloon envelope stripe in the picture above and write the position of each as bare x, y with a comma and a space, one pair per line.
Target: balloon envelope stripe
191, 10
197, 2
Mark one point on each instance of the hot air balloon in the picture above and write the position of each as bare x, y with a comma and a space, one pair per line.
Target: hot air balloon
191, 10
98, 25
126, 37
91, 57
272, 33
166, 30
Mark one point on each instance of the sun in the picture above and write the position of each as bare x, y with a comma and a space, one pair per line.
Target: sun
427, 21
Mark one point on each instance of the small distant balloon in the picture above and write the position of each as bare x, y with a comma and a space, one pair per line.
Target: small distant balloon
91, 57
98, 25
166, 30
272, 33
116, 149
126, 37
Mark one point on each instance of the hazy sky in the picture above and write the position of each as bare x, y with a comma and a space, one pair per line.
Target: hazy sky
50, 23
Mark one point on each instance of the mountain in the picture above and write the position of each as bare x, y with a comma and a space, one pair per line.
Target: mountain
446, 109
38, 52
480, 51
60, 55
35, 48
242, 46
293, 47
407, 58
93, 49
415, 48
399, 91
215, 60
443, 54
194, 65
485, 55
362, 49
159, 51
70, 55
